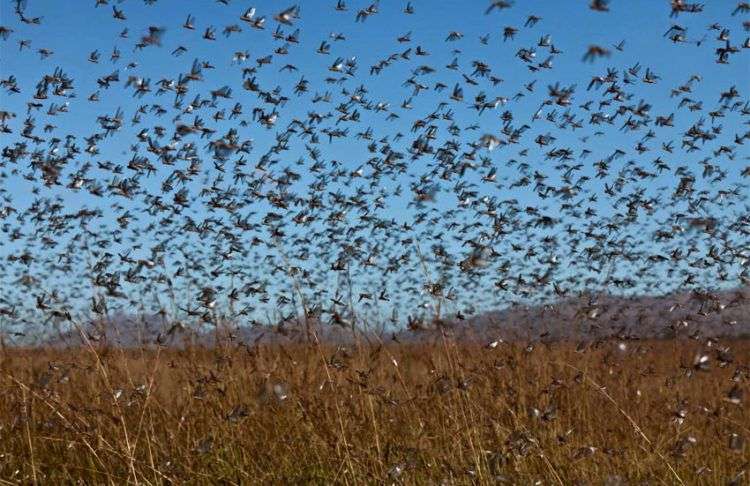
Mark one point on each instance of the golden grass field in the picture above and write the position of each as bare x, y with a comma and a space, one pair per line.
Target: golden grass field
433, 413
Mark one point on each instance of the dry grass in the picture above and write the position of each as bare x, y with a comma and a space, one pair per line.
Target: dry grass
433, 413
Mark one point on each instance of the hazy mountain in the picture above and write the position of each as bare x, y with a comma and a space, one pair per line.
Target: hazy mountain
720, 314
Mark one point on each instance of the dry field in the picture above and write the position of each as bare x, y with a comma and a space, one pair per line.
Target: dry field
432, 413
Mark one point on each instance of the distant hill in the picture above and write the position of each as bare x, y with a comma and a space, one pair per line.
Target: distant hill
719, 314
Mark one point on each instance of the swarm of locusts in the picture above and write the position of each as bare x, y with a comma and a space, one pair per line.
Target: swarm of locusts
374, 242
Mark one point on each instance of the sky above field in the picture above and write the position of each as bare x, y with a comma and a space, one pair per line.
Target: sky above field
636, 34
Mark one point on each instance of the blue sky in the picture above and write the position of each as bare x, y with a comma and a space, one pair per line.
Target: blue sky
74, 29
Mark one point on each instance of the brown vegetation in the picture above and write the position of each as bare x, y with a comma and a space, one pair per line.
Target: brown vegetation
661, 412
